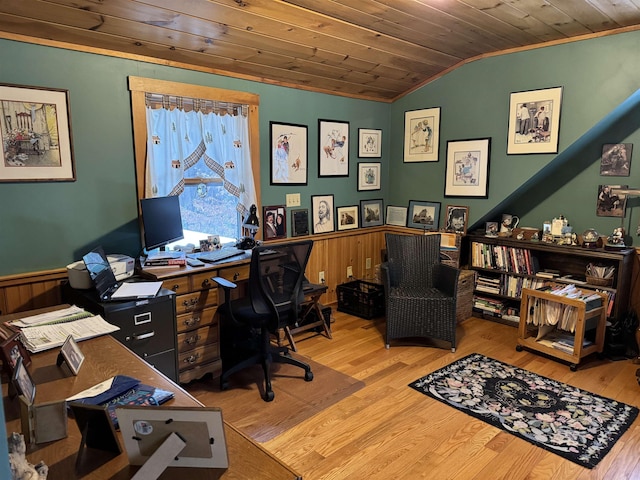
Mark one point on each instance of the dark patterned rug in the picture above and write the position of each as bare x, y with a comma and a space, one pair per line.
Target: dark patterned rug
578, 425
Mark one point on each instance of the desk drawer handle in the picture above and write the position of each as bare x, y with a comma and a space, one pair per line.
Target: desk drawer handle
190, 322
142, 336
235, 276
192, 358
206, 283
175, 287
190, 303
192, 339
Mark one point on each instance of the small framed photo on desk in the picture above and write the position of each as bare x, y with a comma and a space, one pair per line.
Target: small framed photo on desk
70, 353
12, 349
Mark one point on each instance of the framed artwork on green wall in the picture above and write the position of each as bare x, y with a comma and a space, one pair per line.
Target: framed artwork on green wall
289, 152
467, 172
333, 138
35, 135
534, 121
421, 135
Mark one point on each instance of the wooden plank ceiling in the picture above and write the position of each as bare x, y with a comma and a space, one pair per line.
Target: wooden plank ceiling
372, 49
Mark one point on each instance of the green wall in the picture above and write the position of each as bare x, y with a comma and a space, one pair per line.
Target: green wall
48, 225
596, 76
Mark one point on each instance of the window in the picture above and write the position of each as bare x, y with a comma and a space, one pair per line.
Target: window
181, 149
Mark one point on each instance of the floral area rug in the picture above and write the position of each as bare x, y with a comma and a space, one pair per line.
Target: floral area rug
578, 425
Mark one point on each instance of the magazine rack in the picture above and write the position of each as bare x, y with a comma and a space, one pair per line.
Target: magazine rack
586, 319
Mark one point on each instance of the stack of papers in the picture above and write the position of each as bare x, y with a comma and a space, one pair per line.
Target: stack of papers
50, 330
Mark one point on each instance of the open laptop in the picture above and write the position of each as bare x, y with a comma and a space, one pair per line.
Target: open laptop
108, 288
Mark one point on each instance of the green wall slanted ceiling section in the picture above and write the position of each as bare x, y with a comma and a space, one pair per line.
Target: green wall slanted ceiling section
50, 224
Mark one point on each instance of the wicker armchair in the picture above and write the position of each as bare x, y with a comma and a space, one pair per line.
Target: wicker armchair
420, 291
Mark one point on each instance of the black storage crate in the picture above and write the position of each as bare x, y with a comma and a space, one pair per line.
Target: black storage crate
362, 299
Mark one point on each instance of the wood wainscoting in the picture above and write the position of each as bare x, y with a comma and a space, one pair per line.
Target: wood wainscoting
332, 253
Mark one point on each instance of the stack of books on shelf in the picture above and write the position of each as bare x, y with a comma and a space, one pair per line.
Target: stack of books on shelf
488, 306
503, 258
512, 285
512, 314
166, 259
488, 284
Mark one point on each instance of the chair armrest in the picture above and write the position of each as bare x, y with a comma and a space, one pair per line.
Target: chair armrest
224, 283
445, 279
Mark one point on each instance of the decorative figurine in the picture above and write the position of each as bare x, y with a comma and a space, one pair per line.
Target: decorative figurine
616, 239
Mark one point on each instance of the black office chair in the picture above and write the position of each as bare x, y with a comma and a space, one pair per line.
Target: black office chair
272, 301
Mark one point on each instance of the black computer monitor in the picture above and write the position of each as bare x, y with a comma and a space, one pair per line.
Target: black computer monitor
161, 221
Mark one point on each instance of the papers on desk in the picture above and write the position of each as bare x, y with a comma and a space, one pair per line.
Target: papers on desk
56, 316
53, 333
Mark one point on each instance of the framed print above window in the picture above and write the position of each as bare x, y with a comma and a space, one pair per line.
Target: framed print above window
274, 222
35, 135
322, 208
347, 217
456, 219
368, 176
616, 159
467, 172
333, 138
425, 215
534, 121
371, 213
421, 135
369, 143
289, 153
396, 216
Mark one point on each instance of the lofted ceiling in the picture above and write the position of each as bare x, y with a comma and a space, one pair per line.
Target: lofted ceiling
371, 49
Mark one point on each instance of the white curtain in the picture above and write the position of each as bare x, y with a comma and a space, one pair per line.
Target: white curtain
177, 140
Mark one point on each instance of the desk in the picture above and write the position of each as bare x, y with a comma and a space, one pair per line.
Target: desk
247, 459
197, 300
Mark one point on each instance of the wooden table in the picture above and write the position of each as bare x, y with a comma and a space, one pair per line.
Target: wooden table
104, 358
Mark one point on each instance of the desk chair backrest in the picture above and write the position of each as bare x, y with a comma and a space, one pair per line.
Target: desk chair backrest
275, 278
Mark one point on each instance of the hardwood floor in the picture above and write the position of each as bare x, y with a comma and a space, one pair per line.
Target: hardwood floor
388, 430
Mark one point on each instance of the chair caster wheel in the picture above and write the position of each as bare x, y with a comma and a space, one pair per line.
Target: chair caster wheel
518, 348
573, 367
269, 396
308, 376
224, 385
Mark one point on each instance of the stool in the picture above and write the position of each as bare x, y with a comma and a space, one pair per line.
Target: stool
312, 293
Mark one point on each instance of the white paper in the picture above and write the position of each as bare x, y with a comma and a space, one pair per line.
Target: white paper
44, 337
137, 290
54, 316
93, 391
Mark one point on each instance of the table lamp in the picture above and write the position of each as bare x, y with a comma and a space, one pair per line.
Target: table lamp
252, 224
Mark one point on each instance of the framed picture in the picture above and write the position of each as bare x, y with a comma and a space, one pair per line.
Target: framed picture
611, 203
289, 154
396, 216
274, 222
371, 213
467, 172
369, 143
347, 217
22, 382
322, 208
12, 349
299, 222
333, 139
368, 176
456, 219
422, 135
616, 159
425, 215
534, 121
35, 135
72, 355
491, 229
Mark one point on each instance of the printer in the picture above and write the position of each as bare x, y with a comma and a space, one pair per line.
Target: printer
123, 267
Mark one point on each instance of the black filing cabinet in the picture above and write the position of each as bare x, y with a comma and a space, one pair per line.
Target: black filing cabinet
147, 326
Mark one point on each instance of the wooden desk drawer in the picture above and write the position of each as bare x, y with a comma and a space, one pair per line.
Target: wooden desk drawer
202, 281
200, 355
194, 339
197, 301
179, 285
215, 368
197, 319
235, 274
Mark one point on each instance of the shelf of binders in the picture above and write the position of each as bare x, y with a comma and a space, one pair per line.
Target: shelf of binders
567, 326
506, 266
